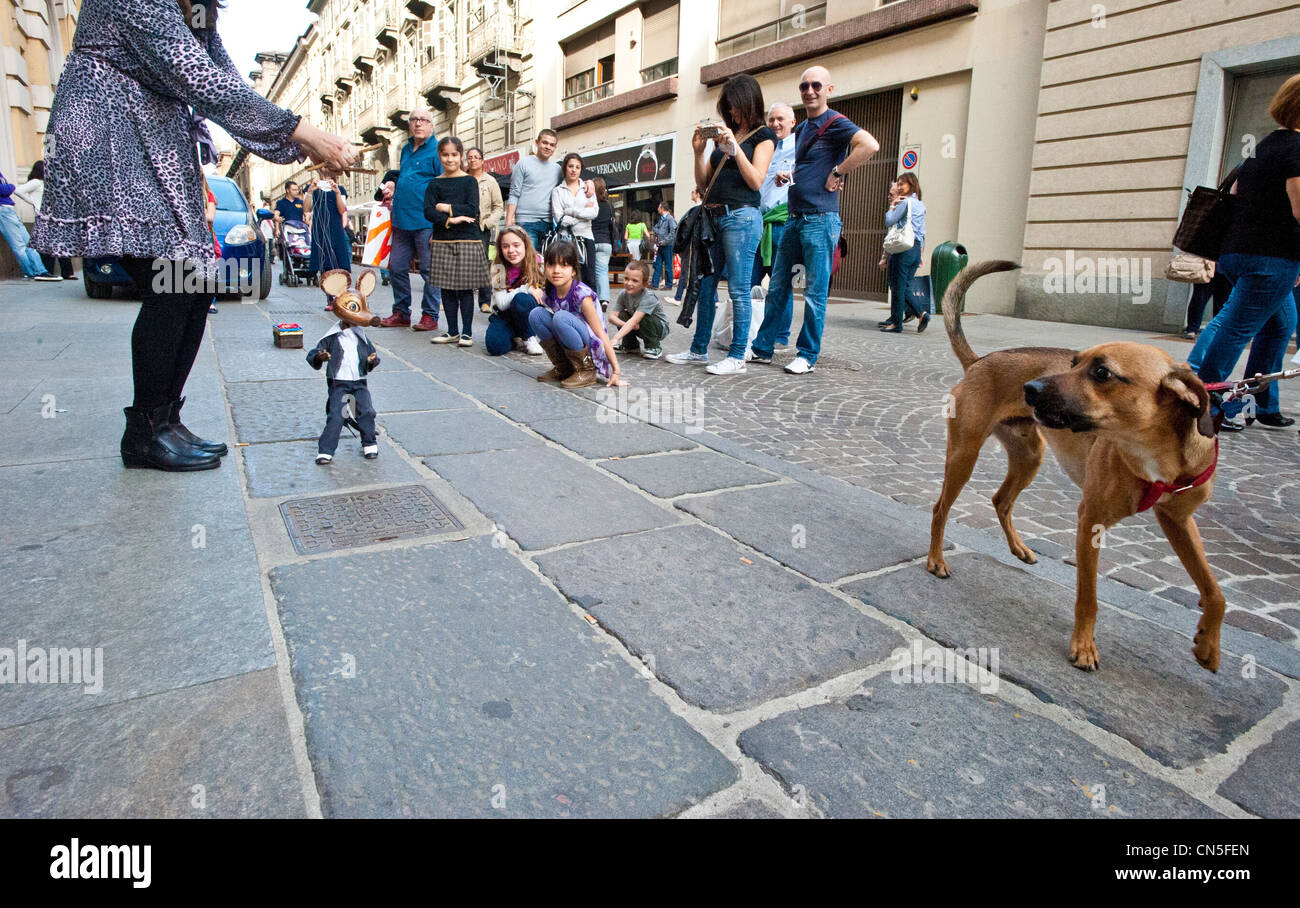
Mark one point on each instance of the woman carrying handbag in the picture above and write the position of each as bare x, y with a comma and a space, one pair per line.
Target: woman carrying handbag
902, 252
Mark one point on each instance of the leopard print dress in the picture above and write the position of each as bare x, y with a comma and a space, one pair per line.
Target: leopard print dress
122, 174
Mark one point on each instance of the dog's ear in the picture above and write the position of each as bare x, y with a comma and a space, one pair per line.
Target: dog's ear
1190, 391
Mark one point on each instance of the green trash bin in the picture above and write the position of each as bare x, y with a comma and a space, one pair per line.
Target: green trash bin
946, 260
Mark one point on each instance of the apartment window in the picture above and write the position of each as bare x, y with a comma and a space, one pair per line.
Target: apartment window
589, 67
746, 24
659, 28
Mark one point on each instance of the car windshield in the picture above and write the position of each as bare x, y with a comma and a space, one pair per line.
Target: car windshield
229, 198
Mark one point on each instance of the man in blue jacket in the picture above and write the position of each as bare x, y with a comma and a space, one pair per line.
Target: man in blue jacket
418, 165
18, 238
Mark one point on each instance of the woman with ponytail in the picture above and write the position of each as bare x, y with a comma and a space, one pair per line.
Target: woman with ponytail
121, 138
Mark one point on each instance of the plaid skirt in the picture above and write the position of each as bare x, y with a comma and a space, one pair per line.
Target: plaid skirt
458, 265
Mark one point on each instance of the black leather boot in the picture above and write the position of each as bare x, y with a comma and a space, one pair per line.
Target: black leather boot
211, 447
149, 441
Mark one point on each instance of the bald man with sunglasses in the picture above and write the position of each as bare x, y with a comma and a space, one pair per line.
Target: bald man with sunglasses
828, 146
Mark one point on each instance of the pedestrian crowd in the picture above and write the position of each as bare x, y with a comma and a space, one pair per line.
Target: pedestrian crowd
537, 259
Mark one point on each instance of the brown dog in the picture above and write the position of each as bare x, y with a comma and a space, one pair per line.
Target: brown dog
1130, 426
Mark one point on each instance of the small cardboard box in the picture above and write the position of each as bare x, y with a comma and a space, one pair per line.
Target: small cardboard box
287, 336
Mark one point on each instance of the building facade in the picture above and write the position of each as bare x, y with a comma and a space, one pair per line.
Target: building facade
364, 64
1138, 104
35, 36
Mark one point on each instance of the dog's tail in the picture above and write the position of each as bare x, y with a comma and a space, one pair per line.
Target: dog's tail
953, 299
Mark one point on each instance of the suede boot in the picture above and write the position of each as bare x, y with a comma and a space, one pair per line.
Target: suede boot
562, 367
584, 369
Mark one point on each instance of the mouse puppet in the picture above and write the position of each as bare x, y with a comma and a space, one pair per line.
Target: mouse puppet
350, 356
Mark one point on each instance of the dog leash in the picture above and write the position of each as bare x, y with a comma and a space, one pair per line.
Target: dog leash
1239, 389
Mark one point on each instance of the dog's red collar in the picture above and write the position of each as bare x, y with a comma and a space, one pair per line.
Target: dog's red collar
1155, 489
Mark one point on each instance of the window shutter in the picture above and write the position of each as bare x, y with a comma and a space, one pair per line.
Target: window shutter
736, 16
659, 34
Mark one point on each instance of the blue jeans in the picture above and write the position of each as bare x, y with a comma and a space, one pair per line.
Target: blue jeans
1261, 307
663, 267
19, 241
603, 253
738, 233
572, 331
809, 240
901, 271
503, 327
408, 244
536, 231
761, 271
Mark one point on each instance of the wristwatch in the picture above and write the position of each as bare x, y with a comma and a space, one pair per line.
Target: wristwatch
835, 172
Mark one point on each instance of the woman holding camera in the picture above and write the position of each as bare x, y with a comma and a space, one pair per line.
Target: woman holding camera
733, 173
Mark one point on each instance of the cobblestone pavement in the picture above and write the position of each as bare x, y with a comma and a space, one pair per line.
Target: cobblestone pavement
872, 415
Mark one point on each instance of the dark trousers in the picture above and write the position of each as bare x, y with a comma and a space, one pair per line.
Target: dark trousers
485, 293
329, 439
504, 327
166, 336
649, 331
1219, 289
589, 266
65, 265
459, 302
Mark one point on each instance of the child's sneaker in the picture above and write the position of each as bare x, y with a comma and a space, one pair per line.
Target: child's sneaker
445, 339
324, 458
730, 366
687, 358
370, 452
533, 347
652, 353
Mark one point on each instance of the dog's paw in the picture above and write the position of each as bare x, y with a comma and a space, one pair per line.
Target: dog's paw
1083, 654
1206, 650
1024, 553
938, 567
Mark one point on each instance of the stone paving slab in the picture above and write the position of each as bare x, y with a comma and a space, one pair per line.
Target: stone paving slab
748, 809
486, 384
1268, 783
455, 432
943, 750
13, 391
811, 531
166, 613
247, 361
1148, 690
474, 683
295, 409
694, 471
26, 345
146, 757
290, 468
592, 437
543, 498
528, 408
724, 634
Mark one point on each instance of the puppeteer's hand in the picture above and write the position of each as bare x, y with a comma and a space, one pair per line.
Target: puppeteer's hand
372, 358
322, 356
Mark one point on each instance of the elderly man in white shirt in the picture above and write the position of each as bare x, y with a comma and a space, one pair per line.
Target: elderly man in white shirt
773, 195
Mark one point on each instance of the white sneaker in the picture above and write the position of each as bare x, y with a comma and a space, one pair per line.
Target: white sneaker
47, 277
728, 366
800, 366
752, 357
324, 458
687, 358
533, 347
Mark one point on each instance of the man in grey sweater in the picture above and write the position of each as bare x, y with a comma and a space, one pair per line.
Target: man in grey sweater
531, 183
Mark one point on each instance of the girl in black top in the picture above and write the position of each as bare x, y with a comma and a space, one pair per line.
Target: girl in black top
456, 260
742, 149
1261, 256
606, 239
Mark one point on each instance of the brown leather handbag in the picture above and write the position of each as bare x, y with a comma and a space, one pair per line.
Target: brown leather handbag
1206, 219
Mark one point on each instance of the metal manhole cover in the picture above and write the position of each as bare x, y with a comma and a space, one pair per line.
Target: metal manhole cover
331, 522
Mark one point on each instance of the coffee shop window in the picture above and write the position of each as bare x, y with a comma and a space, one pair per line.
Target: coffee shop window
744, 25
659, 31
589, 67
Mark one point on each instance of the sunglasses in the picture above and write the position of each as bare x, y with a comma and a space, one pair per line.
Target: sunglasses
815, 86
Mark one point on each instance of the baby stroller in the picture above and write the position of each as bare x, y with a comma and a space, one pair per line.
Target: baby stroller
295, 252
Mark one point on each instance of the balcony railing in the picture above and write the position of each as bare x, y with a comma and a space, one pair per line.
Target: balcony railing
495, 31
796, 23
659, 71
588, 95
